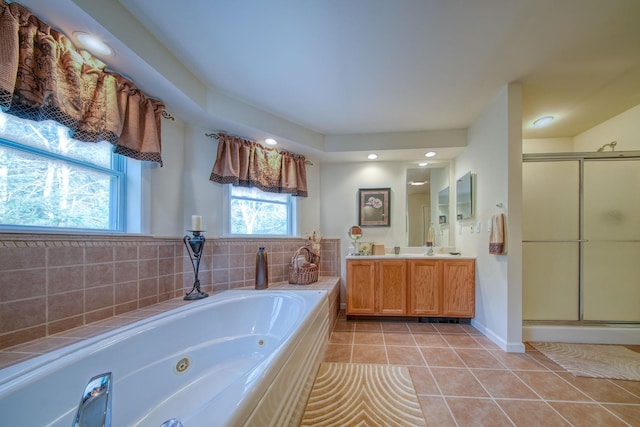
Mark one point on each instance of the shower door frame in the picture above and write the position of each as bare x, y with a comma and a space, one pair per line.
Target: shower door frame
580, 157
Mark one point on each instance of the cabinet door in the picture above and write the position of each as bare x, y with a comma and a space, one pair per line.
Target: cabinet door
458, 288
361, 295
392, 290
424, 290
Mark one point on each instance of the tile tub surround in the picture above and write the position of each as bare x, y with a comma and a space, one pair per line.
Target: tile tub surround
21, 352
52, 283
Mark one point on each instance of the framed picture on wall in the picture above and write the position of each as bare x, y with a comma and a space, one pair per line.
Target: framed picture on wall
374, 207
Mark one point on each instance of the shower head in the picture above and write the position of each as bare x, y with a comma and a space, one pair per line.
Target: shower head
611, 145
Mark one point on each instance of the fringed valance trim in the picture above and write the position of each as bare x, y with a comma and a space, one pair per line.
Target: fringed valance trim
44, 77
246, 163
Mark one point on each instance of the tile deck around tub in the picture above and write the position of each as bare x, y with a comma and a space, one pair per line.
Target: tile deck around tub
28, 350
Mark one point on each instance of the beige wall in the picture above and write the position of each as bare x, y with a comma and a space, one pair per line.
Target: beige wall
494, 157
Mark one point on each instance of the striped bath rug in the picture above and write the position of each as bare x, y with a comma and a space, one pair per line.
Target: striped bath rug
594, 360
351, 394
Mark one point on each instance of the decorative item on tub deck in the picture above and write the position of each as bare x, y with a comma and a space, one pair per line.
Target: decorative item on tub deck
262, 269
194, 247
304, 266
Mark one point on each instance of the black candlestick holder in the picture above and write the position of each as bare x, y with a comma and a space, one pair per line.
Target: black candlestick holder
194, 247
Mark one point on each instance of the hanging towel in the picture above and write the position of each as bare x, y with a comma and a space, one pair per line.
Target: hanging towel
431, 236
498, 235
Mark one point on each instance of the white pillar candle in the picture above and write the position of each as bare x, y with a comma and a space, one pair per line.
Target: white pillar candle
196, 222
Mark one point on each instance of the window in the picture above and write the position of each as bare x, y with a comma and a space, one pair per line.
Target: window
255, 212
50, 181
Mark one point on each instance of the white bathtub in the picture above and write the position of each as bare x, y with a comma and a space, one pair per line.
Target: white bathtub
252, 357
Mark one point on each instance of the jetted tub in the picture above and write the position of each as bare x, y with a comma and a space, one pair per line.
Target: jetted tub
241, 357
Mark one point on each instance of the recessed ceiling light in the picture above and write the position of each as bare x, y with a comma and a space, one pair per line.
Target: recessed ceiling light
372, 156
423, 163
270, 141
430, 154
417, 182
543, 121
93, 44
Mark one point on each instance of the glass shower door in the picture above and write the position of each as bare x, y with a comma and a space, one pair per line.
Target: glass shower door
611, 251
551, 240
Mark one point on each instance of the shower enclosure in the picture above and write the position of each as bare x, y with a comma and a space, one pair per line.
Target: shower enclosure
581, 237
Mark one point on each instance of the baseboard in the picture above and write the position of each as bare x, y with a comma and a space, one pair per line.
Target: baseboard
509, 347
601, 334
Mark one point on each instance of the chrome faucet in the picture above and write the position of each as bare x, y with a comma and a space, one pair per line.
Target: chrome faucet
94, 409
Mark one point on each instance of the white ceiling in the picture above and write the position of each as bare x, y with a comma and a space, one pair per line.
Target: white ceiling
339, 67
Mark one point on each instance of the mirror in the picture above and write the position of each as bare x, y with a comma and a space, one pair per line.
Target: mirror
355, 233
443, 206
464, 197
426, 189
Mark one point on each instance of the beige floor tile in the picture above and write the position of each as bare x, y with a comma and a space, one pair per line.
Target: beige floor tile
430, 340
442, 357
395, 327
399, 338
531, 413
601, 390
448, 328
422, 328
344, 325
371, 326
436, 412
518, 361
503, 384
341, 337
369, 354
423, 381
471, 330
545, 361
458, 382
631, 386
469, 378
486, 343
461, 341
629, 413
587, 414
338, 353
550, 386
405, 356
474, 358
365, 338
477, 413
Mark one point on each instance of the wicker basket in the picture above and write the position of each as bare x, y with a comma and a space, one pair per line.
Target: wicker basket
303, 275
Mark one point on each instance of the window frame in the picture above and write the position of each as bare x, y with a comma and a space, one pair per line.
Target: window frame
118, 189
292, 215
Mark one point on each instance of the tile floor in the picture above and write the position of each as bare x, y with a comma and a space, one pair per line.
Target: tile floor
464, 379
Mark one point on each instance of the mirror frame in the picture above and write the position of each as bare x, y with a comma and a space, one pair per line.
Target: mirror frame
464, 197
437, 183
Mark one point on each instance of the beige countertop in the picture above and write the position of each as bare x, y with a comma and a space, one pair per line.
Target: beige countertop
410, 256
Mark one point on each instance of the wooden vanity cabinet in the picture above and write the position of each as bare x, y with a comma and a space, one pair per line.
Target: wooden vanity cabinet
392, 287
376, 287
411, 287
361, 287
459, 289
425, 290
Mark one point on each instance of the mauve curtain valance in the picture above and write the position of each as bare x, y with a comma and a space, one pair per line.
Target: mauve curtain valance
44, 77
248, 164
